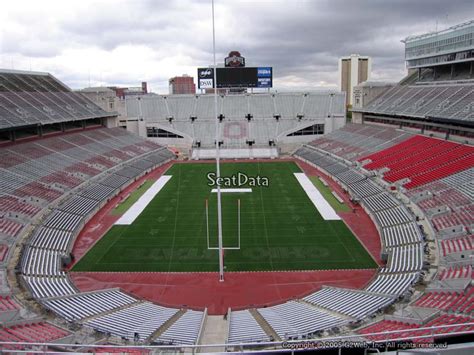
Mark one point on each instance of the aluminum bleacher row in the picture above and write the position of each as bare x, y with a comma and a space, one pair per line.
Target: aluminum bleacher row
104, 161
293, 320
356, 304
41, 262
320, 310
444, 101
446, 197
83, 305
36, 173
394, 221
244, 328
143, 318
28, 98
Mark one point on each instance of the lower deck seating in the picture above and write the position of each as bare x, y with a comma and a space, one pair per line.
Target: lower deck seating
353, 303
421, 159
141, 320
449, 301
82, 305
410, 330
10, 228
457, 245
3, 252
244, 328
295, 320
392, 284
33, 332
460, 272
184, 331
8, 304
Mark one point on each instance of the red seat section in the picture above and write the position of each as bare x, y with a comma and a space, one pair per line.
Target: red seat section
461, 272
31, 333
410, 330
421, 159
449, 301
457, 245
3, 251
8, 304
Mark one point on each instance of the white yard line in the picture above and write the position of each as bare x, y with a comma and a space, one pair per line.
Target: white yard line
232, 190
137, 208
324, 208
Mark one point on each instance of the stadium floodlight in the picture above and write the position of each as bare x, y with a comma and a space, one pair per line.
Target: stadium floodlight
218, 170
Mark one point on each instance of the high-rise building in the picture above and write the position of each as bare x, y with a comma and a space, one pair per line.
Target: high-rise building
353, 70
182, 85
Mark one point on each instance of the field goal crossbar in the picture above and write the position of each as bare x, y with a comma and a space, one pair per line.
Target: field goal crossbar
238, 229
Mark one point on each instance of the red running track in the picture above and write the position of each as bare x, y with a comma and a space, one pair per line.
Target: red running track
240, 289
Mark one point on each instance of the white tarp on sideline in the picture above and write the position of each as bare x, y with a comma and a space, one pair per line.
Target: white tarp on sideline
324, 208
232, 190
138, 207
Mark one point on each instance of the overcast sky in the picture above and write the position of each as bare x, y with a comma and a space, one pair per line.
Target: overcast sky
124, 42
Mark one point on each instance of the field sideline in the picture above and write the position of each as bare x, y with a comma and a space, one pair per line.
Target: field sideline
280, 228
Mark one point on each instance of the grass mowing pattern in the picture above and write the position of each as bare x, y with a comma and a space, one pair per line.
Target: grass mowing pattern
280, 228
328, 196
132, 198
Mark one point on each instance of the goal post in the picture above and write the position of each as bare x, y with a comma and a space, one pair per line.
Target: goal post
208, 234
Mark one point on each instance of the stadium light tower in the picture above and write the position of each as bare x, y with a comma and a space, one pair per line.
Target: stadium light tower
218, 169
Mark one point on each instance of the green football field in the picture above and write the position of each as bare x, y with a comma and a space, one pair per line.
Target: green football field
280, 229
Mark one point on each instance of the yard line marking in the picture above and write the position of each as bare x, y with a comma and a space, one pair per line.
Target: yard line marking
232, 190
323, 207
137, 208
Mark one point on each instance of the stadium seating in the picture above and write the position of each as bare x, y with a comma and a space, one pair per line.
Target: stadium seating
444, 101
449, 301
421, 159
3, 252
392, 284
83, 305
457, 245
244, 328
30, 333
185, 330
142, 319
353, 140
38, 98
295, 320
461, 272
409, 330
8, 304
352, 303
295, 111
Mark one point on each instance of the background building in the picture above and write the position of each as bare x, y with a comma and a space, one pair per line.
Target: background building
442, 55
182, 85
353, 70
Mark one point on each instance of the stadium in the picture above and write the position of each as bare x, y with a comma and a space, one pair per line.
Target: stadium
120, 233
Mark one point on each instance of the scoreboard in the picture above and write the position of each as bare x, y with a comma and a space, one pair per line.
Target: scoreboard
238, 77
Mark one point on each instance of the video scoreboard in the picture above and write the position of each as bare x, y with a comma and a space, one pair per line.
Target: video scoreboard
236, 77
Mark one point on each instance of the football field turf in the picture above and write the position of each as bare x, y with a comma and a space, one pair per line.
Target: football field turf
280, 229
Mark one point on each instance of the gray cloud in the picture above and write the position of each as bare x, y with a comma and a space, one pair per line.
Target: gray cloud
125, 42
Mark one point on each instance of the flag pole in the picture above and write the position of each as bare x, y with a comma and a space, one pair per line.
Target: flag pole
218, 170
